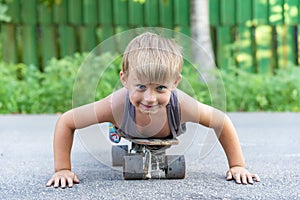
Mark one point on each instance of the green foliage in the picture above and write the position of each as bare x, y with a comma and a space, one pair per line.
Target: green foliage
18, 88
193, 85
57, 82
24, 89
97, 78
263, 92
3, 15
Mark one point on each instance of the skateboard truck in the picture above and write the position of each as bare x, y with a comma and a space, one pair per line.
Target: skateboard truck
147, 159
148, 165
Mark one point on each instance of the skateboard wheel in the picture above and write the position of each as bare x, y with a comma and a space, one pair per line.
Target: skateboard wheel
118, 152
133, 167
175, 167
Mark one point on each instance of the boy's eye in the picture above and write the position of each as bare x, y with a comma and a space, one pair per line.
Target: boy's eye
161, 88
141, 87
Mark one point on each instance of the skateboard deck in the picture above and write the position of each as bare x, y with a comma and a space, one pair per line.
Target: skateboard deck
155, 142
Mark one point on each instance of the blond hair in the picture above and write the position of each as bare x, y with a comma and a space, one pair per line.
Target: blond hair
153, 58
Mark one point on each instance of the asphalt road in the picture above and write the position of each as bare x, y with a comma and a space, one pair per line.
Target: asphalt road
270, 143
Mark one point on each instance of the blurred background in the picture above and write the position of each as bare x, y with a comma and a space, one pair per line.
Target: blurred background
254, 43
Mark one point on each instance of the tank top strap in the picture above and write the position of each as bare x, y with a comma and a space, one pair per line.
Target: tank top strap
173, 110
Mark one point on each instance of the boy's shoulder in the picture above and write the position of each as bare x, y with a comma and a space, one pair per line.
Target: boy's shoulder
122, 92
182, 96
117, 101
189, 107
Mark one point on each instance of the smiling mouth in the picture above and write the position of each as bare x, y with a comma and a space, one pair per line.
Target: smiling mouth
148, 107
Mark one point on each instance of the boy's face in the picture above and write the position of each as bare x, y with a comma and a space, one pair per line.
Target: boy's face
147, 98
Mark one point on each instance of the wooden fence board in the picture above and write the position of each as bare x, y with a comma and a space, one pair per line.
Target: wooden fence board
29, 11
75, 10
90, 12
105, 13
14, 11
181, 18
9, 43
136, 13
298, 44
30, 52
291, 46
48, 46
214, 12
151, 13
45, 14
244, 49
244, 11
104, 34
228, 12
60, 12
224, 46
285, 47
87, 38
166, 13
67, 42
276, 12
291, 12
260, 12
120, 12
263, 40
183, 29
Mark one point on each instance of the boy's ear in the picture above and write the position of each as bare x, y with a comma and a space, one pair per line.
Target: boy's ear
123, 79
177, 81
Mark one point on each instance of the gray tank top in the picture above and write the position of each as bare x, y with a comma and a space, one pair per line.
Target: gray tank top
128, 126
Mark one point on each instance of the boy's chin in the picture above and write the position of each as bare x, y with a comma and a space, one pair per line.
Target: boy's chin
149, 111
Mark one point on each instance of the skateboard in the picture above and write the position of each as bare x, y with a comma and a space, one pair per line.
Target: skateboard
147, 159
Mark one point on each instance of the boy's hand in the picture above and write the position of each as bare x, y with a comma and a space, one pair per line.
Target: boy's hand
61, 178
241, 175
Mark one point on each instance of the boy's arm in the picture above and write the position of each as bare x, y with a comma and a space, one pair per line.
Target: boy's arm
225, 131
63, 140
104, 110
80, 117
62, 145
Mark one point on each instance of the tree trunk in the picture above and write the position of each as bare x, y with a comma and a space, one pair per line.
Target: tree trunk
203, 54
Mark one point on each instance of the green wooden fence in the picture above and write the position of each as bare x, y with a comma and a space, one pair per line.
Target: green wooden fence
256, 35
38, 32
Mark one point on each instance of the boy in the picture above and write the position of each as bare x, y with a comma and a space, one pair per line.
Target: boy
152, 107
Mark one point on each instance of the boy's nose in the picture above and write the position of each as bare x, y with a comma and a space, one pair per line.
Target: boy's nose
150, 96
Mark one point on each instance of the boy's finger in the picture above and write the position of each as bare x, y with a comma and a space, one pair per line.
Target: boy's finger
250, 179
56, 182
229, 176
50, 182
63, 183
237, 178
76, 179
70, 182
244, 179
256, 177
